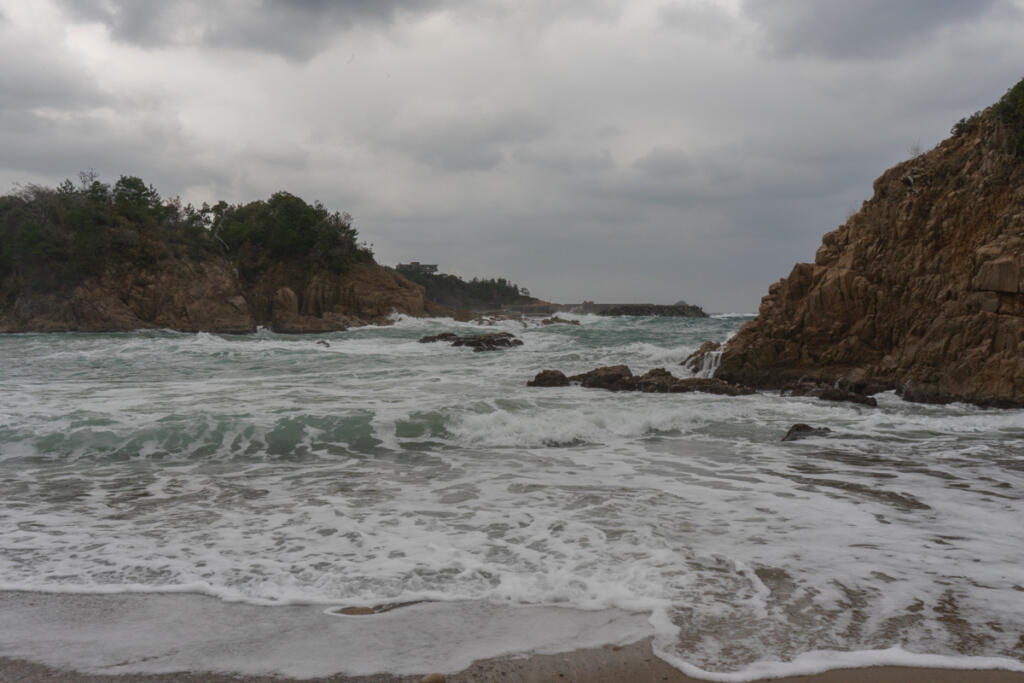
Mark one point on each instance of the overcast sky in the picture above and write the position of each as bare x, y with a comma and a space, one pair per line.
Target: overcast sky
648, 151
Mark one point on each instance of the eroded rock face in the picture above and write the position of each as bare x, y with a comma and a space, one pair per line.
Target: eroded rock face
922, 290
208, 296
324, 301
175, 294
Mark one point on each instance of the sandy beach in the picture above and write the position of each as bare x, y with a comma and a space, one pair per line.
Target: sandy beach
609, 664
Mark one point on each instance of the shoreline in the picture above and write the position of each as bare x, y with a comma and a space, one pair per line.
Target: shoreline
168, 637
635, 662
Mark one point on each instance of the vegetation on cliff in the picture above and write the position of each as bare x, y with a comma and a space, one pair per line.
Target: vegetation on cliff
54, 238
1008, 112
474, 295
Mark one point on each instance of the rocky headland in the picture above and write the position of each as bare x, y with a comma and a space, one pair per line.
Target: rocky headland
921, 291
101, 258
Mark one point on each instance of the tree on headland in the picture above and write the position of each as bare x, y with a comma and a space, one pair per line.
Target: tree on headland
54, 238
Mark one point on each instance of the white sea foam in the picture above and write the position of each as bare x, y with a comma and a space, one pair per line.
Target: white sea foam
272, 470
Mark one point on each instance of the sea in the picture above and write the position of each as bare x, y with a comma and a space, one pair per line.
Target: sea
293, 476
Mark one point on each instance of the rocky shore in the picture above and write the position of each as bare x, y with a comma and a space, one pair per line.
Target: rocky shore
207, 295
921, 291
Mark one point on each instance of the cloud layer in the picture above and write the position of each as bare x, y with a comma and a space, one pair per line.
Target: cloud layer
649, 151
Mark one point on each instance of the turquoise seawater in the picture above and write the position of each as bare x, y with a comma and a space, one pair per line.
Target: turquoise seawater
274, 469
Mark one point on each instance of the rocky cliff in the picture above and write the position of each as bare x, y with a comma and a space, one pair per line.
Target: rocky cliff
922, 290
207, 295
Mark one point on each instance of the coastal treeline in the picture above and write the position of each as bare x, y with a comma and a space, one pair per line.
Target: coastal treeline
475, 295
53, 238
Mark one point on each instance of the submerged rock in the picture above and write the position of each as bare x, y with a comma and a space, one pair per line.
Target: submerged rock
923, 288
444, 336
826, 393
804, 431
711, 386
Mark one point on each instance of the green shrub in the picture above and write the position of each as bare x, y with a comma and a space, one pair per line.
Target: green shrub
1010, 111
54, 238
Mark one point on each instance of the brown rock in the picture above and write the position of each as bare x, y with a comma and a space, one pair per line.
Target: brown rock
433, 678
922, 288
549, 378
613, 378
658, 380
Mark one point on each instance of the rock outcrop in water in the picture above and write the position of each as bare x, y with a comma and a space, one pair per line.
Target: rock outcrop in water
493, 341
922, 290
621, 378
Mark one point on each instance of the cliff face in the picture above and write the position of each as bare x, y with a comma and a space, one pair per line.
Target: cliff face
922, 290
289, 300
207, 295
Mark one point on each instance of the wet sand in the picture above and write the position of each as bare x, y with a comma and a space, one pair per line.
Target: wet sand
634, 663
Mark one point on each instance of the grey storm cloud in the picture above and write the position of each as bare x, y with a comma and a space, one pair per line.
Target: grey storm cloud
589, 149
865, 28
295, 30
462, 139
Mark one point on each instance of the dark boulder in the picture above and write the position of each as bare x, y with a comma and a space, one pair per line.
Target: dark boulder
549, 378
478, 342
612, 377
488, 342
658, 380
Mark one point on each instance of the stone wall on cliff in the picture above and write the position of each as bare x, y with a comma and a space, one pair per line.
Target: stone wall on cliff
921, 290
